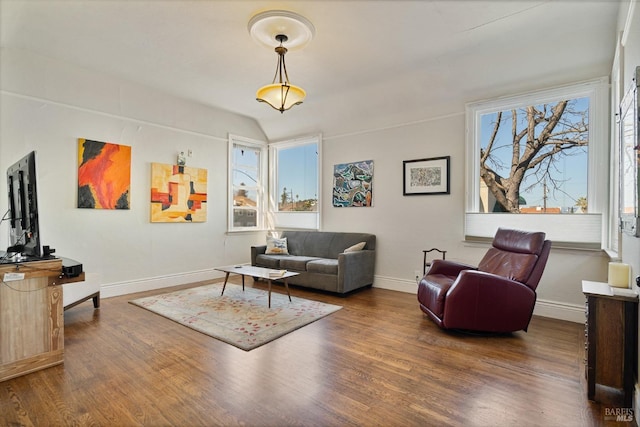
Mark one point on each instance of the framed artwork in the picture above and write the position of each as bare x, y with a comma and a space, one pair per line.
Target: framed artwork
353, 184
426, 176
178, 193
104, 175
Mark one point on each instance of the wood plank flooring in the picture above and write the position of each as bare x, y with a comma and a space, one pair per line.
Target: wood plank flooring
377, 362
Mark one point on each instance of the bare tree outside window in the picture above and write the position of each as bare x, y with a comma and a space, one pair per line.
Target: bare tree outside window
536, 156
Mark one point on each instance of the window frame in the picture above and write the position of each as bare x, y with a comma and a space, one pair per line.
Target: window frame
306, 220
481, 226
234, 140
617, 90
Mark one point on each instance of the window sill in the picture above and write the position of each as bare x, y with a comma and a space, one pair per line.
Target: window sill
613, 255
257, 230
471, 241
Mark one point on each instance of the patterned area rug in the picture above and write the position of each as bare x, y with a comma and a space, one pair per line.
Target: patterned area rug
240, 318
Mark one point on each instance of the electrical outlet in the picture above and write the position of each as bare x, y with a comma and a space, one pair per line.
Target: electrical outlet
189, 152
418, 275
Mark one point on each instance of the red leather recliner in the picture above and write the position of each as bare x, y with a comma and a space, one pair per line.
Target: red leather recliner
498, 295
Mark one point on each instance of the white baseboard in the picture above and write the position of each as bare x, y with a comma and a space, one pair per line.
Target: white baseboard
560, 310
394, 284
148, 284
543, 308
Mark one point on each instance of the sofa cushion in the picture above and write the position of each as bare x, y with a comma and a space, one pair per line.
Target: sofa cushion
342, 241
276, 246
295, 262
270, 261
357, 247
325, 244
323, 266
314, 244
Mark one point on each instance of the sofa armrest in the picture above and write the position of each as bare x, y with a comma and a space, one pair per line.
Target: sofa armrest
257, 250
448, 268
484, 301
355, 269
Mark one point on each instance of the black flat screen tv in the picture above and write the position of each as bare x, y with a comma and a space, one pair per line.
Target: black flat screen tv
24, 232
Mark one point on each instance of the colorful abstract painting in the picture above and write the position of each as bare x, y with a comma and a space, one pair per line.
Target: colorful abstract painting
353, 184
178, 193
104, 175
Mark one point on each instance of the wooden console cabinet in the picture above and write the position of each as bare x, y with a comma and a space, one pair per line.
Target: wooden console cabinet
610, 343
31, 317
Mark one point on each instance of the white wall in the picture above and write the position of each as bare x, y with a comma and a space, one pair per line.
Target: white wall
47, 105
405, 225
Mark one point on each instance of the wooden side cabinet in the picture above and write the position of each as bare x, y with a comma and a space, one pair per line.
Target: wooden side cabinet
31, 317
611, 332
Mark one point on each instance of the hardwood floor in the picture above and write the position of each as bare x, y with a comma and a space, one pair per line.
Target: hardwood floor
377, 362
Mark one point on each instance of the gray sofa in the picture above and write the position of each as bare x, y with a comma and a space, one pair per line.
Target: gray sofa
320, 259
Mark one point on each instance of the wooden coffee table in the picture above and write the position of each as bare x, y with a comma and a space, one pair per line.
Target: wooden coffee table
259, 272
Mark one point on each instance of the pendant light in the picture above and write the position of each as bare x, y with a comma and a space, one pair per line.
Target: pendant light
275, 28
281, 94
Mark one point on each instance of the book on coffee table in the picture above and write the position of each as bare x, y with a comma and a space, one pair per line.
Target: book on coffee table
277, 273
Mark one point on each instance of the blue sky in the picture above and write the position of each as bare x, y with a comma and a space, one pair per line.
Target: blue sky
298, 168
572, 170
298, 171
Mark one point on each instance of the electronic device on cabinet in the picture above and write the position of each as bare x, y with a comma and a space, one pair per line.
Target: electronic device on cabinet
24, 230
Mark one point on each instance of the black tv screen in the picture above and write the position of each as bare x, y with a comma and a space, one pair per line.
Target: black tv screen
24, 233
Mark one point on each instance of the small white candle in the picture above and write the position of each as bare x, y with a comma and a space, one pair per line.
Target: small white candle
619, 274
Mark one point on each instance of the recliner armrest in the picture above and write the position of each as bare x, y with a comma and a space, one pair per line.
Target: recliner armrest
448, 268
487, 280
483, 301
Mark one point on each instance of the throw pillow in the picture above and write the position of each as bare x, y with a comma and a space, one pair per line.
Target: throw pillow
277, 246
356, 247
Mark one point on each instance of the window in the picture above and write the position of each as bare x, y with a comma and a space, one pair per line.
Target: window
295, 177
538, 161
617, 88
247, 175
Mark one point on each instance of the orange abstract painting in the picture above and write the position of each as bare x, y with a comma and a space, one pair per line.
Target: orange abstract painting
178, 193
104, 175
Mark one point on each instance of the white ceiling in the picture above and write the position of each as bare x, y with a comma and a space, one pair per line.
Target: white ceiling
371, 64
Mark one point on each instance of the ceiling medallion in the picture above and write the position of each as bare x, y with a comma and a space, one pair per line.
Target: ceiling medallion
265, 26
